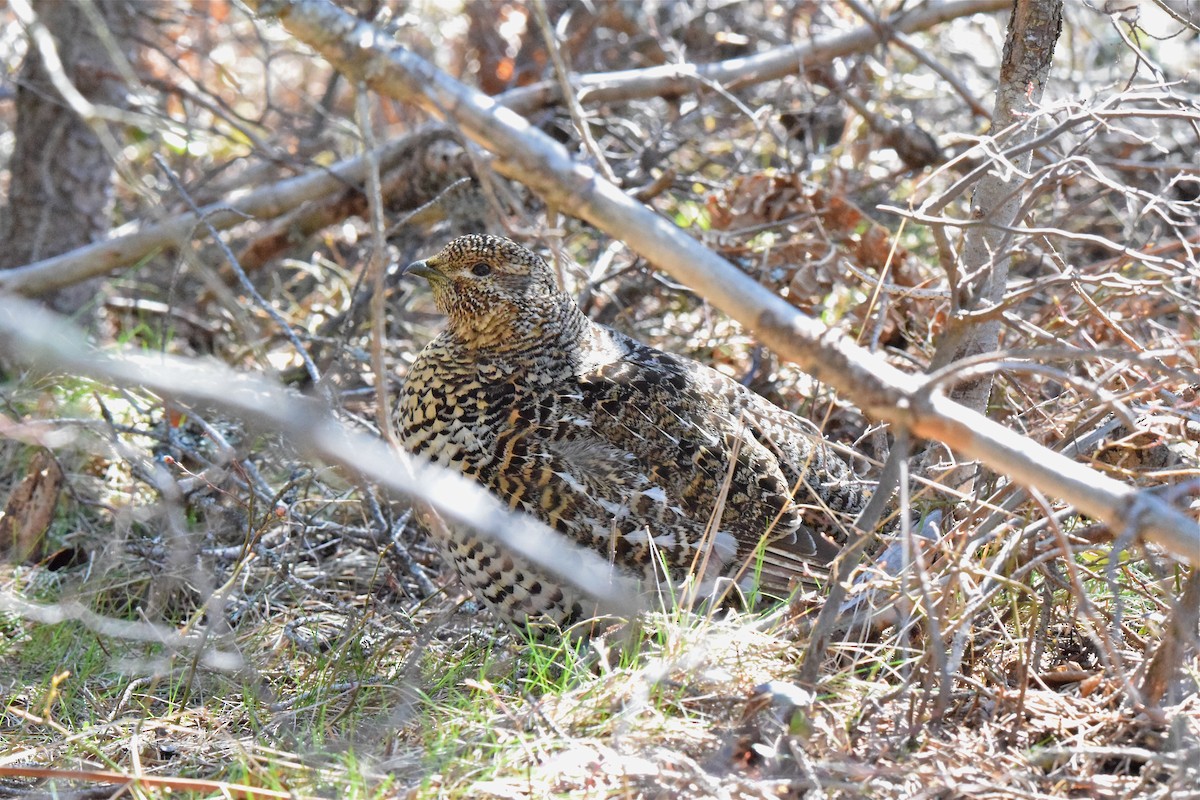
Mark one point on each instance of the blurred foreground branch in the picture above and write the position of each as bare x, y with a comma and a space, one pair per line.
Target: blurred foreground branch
43, 339
136, 631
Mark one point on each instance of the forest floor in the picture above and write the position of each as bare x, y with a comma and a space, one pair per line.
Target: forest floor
194, 605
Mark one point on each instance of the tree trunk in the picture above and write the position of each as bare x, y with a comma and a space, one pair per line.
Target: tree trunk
60, 194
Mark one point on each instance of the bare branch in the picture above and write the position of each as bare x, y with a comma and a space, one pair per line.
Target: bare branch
119, 628
677, 79
526, 154
1033, 31
130, 243
47, 340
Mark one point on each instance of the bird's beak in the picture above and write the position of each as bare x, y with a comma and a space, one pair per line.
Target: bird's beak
423, 269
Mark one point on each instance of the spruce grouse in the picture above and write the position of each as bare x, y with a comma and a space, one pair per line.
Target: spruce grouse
626, 449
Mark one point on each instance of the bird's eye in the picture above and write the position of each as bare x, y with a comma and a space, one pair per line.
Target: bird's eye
481, 269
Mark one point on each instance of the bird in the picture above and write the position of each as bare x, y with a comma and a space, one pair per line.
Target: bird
663, 465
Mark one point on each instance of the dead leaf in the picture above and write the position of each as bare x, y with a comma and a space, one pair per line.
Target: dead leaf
30, 509
1090, 684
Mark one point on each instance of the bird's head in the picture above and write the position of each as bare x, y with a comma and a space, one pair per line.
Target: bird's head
491, 287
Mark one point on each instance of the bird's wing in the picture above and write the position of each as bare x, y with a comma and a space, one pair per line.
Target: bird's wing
549, 461
703, 440
828, 488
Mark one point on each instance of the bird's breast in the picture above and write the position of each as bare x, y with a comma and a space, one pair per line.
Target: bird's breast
451, 410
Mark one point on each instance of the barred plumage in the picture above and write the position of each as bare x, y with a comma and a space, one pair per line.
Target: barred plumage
624, 448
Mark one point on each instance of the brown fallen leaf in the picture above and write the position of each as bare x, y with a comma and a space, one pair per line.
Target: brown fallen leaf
30, 509
1090, 684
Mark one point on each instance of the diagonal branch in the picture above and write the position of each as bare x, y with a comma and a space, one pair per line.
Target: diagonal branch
36, 336
677, 79
133, 242
525, 154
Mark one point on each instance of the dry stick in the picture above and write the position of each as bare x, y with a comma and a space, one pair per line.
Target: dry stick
34, 335
916, 571
1033, 30
280, 234
1179, 632
568, 94
1145, 258
313, 373
881, 390
905, 42
143, 631
1077, 445
1106, 647
1091, 116
428, 213
131, 243
168, 782
677, 79
414, 570
376, 270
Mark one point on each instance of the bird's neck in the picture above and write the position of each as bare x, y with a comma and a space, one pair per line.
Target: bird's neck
551, 324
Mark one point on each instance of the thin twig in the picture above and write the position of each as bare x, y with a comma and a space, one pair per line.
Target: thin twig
313, 373
568, 93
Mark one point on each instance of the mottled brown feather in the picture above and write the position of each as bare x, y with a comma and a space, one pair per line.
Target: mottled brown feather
622, 447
